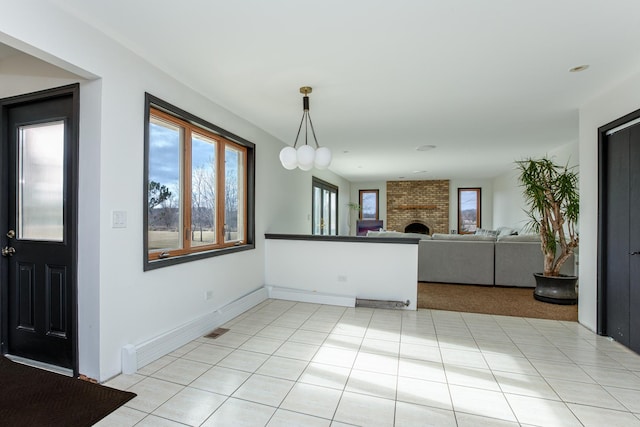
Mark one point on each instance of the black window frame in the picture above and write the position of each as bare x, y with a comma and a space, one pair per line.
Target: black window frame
478, 193
323, 185
158, 104
361, 194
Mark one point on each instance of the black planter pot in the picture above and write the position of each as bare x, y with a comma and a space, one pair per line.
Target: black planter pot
556, 290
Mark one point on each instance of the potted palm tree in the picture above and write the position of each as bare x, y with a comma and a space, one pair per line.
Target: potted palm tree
552, 198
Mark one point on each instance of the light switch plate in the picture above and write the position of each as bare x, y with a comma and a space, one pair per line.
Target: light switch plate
118, 219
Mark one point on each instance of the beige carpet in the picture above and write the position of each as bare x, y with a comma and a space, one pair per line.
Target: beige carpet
491, 300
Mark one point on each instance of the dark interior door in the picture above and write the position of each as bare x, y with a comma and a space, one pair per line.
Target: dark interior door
622, 237
634, 238
39, 142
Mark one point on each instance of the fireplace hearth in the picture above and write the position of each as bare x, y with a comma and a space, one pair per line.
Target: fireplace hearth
416, 227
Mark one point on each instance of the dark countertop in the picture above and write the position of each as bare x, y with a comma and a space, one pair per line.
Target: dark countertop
350, 239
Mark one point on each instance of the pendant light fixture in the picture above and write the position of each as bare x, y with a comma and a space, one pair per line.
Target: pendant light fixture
305, 157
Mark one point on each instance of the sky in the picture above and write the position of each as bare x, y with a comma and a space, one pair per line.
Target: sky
164, 154
468, 201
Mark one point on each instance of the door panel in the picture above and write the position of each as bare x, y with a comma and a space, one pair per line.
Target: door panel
634, 238
622, 245
40, 142
58, 289
617, 258
26, 297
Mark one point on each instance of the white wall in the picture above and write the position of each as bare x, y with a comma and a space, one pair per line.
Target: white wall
293, 215
508, 202
23, 73
89, 217
119, 303
381, 271
486, 202
609, 106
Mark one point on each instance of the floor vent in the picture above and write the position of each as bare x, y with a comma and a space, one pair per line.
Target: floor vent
216, 333
376, 303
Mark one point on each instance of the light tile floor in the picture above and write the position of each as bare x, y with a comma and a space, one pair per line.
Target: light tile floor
297, 364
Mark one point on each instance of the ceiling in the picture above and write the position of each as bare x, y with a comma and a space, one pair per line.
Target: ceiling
486, 83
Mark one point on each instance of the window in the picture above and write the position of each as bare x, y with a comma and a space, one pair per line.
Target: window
199, 183
368, 204
325, 208
468, 210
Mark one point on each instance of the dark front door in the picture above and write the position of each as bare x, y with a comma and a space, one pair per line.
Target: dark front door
38, 228
621, 255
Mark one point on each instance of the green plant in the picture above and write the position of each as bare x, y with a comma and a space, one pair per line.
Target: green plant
552, 198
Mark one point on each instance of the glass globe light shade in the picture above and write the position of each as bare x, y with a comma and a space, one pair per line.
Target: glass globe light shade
306, 156
289, 158
306, 167
323, 158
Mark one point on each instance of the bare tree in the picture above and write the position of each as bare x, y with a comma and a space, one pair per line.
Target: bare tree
231, 201
168, 214
202, 198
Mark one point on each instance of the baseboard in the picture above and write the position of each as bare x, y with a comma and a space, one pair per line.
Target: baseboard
161, 345
298, 295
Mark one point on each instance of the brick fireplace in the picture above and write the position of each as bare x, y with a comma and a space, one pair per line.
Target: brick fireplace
415, 203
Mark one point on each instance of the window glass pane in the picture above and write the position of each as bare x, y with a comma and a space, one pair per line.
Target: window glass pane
317, 215
369, 205
326, 211
41, 182
468, 210
333, 228
203, 190
165, 142
234, 195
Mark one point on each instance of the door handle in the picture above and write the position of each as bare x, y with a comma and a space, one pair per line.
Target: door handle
634, 253
8, 251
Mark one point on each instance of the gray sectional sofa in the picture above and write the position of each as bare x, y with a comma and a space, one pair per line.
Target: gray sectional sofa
453, 258
507, 260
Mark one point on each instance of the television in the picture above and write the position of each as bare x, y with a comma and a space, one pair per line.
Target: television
363, 226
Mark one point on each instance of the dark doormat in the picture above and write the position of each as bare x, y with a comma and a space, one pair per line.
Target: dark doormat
35, 397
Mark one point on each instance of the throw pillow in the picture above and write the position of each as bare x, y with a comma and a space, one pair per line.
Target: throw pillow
485, 232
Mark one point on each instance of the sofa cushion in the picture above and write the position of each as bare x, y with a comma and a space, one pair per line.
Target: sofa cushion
520, 238
397, 234
506, 231
464, 237
485, 232
456, 261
